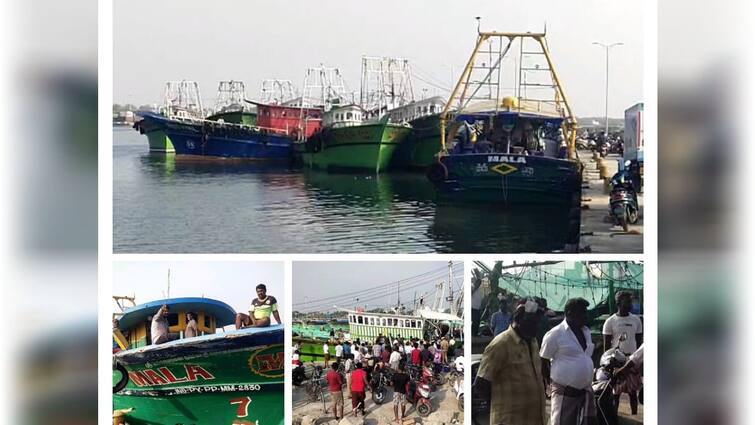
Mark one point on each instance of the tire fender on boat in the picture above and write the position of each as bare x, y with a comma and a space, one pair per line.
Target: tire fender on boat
124, 377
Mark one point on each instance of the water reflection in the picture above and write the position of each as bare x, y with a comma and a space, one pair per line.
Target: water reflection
168, 204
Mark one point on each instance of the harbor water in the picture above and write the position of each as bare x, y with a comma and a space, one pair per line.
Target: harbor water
167, 204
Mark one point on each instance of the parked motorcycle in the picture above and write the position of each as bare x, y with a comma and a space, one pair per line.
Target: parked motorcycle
603, 385
380, 382
624, 206
418, 394
298, 376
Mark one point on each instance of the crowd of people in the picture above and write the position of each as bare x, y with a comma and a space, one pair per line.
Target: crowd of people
355, 362
517, 372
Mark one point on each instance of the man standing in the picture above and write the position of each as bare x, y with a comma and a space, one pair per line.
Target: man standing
191, 325
416, 355
326, 352
160, 326
478, 295
339, 352
444, 350
623, 331
359, 385
395, 358
335, 384
510, 371
499, 321
262, 308
400, 379
623, 323
376, 350
567, 349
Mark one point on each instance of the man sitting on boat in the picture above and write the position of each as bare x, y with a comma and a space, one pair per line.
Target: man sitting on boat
262, 308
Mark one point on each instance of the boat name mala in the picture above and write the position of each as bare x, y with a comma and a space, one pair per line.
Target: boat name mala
506, 158
163, 376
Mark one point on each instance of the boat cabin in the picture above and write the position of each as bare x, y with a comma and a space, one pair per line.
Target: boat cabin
288, 119
422, 108
134, 325
344, 116
369, 326
509, 130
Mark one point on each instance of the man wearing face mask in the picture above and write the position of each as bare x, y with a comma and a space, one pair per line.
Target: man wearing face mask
510, 371
567, 364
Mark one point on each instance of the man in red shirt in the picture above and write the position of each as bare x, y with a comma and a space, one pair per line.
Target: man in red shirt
358, 386
416, 355
335, 384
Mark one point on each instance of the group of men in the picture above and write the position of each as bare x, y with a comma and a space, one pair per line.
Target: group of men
516, 372
360, 360
262, 308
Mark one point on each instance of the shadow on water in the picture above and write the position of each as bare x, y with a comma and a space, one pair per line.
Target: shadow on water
466, 228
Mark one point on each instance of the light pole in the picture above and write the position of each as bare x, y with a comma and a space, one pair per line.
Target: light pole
607, 47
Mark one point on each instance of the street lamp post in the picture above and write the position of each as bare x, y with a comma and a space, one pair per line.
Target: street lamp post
607, 47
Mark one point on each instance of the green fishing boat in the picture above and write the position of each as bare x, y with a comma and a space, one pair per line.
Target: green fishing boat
423, 143
181, 100
349, 141
233, 377
230, 106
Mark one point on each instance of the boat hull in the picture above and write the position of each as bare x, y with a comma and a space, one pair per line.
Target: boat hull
231, 378
159, 142
221, 140
507, 179
421, 146
367, 147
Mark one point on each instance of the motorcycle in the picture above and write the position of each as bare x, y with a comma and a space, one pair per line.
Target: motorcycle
298, 376
603, 386
380, 382
623, 199
418, 394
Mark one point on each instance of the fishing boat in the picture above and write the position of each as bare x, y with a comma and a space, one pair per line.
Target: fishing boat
422, 144
181, 100
232, 377
509, 143
348, 141
361, 136
203, 138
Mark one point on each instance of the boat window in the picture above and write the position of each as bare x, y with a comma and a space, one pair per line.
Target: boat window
382, 322
206, 320
372, 321
419, 110
348, 115
414, 323
432, 109
401, 323
173, 319
359, 319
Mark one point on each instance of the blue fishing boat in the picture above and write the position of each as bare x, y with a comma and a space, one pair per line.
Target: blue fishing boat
508, 143
216, 139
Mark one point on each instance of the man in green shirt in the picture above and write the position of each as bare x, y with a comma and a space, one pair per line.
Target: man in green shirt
263, 307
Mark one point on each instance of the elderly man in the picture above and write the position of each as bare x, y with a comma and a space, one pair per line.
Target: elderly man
567, 351
510, 371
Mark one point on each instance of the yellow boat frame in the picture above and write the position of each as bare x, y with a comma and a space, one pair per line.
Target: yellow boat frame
459, 93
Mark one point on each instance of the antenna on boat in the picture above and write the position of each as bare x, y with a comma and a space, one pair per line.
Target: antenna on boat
478, 18
168, 284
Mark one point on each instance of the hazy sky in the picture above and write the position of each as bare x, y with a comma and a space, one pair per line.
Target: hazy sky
232, 282
313, 281
209, 41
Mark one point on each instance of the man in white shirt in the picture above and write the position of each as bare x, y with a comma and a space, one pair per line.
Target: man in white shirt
567, 350
623, 331
376, 350
326, 353
394, 359
339, 352
623, 323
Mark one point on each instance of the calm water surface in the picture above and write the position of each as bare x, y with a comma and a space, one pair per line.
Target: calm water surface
168, 205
